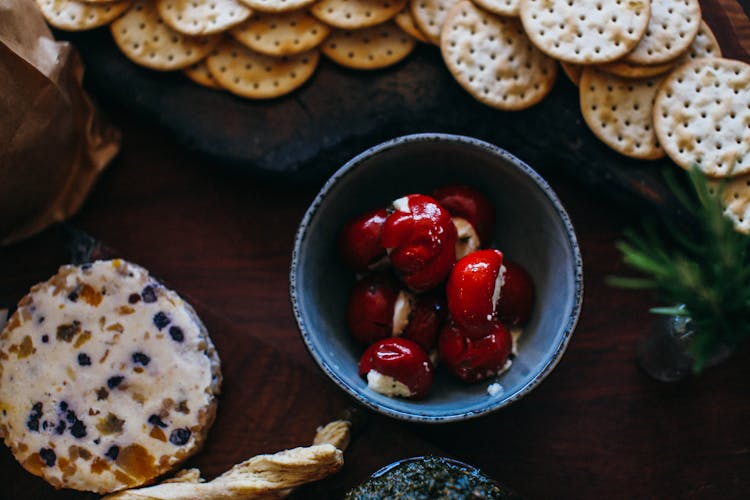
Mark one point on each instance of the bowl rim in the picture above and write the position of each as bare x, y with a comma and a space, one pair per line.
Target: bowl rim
516, 163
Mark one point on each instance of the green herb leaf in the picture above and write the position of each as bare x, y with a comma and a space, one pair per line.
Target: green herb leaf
704, 274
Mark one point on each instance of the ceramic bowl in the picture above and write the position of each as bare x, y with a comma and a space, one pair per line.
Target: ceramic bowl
532, 228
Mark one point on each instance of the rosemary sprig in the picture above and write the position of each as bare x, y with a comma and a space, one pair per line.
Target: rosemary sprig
705, 270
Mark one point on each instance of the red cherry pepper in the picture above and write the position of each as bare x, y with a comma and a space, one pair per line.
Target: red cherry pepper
517, 296
472, 293
359, 242
401, 359
421, 238
426, 318
470, 204
370, 312
472, 360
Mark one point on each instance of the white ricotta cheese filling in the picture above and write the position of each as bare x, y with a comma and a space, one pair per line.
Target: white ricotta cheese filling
494, 389
402, 312
499, 282
468, 239
402, 204
386, 385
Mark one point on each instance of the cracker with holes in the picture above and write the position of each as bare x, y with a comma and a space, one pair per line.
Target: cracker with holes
146, 40
370, 48
585, 31
704, 45
625, 69
356, 14
72, 15
249, 74
405, 21
277, 6
618, 111
282, 34
429, 15
671, 29
737, 202
702, 116
491, 57
200, 74
202, 17
500, 7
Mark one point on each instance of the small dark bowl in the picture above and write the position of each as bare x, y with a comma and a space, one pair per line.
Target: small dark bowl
470, 469
532, 228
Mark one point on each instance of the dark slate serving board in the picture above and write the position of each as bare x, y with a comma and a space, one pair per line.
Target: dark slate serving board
305, 136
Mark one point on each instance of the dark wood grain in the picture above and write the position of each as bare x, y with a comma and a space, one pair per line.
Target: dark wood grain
596, 428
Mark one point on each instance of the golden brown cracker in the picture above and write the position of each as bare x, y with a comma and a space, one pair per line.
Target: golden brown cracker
356, 14
250, 74
145, 39
369, 48
282, 34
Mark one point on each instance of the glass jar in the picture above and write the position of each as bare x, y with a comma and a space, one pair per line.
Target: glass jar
664, 355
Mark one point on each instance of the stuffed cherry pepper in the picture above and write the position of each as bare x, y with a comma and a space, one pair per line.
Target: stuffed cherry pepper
420, 238
397, 367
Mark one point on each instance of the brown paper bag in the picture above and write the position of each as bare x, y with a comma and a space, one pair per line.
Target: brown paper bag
53, 142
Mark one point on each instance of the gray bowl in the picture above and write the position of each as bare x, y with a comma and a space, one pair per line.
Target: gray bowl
532, 228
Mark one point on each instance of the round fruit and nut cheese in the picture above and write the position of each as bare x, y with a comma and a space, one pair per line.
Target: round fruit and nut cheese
107, 378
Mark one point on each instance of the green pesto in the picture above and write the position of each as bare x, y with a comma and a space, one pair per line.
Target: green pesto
428, 478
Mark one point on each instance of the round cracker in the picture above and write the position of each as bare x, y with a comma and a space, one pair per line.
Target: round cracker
585, 31
704, 45
356, 14
626, 69
671, 29
572, 71
702, 116
618, 111
736, 201
491, 57
249, 74
146, 40
429, 15
282, 34
500, 7
202, 17
200, 74
370, 48
72, 15
405, 21
276, 6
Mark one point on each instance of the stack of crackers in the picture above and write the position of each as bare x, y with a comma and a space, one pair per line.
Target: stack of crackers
258, 49
651, 77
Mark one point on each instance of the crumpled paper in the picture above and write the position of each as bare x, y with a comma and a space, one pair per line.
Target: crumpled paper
53, 141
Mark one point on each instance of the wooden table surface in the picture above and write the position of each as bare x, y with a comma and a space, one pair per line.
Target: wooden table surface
596, 428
